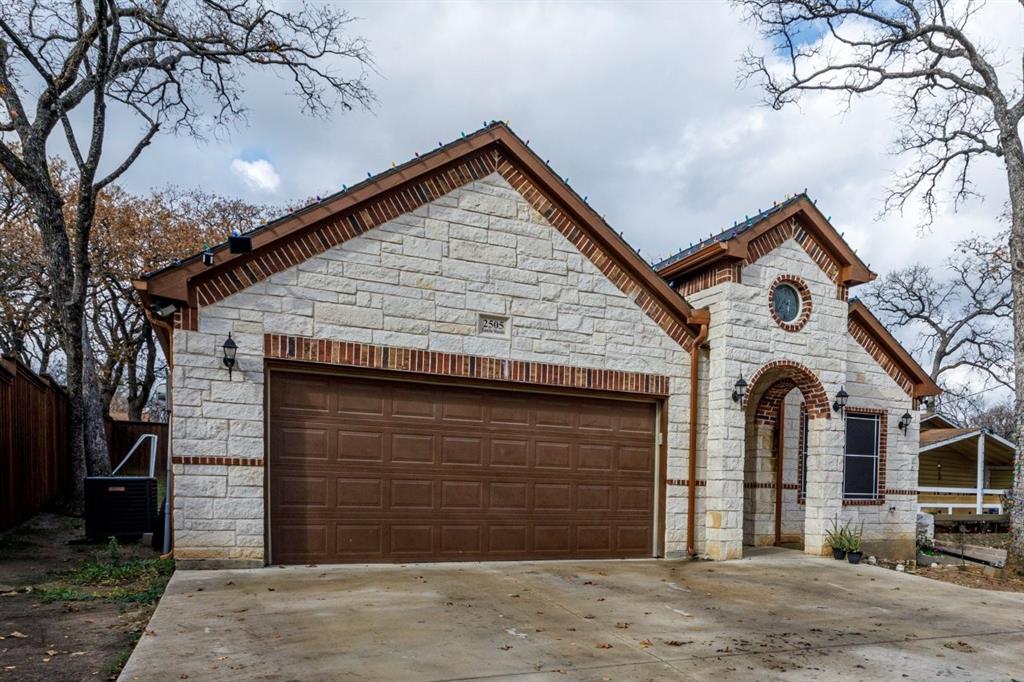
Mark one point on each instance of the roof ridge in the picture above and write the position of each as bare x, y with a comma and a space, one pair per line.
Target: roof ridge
738, 228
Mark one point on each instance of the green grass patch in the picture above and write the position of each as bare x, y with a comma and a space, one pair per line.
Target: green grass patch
98, 572
64, 593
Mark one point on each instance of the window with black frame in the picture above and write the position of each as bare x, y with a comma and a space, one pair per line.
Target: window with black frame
860, 461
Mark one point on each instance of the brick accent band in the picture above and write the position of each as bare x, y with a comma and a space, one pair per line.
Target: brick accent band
803, 378
879, 355
348, 354
685, 483
222, 461
578, 237
389, 205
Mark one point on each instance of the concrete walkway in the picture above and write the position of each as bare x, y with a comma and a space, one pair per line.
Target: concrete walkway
775, 615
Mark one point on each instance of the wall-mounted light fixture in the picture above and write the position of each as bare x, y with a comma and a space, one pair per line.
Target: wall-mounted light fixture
938, 468
739, 389
904, 423
230, 349
840, 402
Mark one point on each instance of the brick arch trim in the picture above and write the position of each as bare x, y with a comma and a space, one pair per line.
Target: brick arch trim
785, 375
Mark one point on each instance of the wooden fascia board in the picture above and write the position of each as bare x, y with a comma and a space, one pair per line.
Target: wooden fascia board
174, 284
923, 384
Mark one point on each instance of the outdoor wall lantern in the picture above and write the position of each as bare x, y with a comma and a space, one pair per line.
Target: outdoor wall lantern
905, 422
938, 469
739, 389
230, 348
840, 404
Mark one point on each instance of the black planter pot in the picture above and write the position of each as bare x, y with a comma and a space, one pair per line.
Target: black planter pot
838, 553
854, 557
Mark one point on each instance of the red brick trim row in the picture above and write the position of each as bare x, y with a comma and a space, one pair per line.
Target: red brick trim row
814, 394
879, 355
685, 483
341, 228
223, 461
568, 227
805, 302
773, 238
705, 279
767, 411
349, 354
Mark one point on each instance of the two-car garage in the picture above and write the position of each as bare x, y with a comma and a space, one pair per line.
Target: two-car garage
365, 469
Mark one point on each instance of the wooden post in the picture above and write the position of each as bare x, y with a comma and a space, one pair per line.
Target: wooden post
980, 478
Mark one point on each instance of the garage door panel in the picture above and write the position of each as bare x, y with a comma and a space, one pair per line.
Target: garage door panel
409, 472
462, 450
412, 448
359, 541
508, 497
360, 446
462, 540
412, 539
301, 443
510, 453
360, 493
507, 539
302, 491
552, 455
462, 496
552, 538
412, 494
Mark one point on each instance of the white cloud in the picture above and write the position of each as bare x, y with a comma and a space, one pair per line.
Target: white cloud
259, 175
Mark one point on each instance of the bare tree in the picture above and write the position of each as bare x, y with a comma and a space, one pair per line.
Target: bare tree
67, 65
960, 317
952, 109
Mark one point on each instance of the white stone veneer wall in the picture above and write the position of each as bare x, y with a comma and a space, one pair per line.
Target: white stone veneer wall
419, 281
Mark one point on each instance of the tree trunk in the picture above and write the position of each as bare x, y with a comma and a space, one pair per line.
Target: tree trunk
98, 456
1014, 155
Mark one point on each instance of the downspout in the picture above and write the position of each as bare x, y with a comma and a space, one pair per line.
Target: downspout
691, 502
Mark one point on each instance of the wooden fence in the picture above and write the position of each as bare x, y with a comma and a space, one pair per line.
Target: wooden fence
121, 436
35, 460
34, 457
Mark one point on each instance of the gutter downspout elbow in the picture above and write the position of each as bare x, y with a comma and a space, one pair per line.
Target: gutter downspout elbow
691, 502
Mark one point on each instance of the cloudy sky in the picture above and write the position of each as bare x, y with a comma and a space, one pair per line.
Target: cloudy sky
637, 104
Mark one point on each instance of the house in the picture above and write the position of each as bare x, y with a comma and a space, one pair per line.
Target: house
962, 471
459, 359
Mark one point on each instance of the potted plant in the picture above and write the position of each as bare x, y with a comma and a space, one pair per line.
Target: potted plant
836, 539
854, 551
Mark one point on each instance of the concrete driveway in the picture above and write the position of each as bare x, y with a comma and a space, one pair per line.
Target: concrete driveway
777, 614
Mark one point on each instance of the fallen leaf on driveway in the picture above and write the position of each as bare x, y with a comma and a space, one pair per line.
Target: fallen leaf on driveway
18, 635
676, 642
645, 644
604, 646
622, 625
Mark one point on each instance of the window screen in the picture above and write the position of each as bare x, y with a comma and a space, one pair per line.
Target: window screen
860, 464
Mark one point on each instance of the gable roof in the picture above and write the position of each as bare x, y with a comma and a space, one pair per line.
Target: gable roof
746, 241
934, 420
307, 232
888, 353
964, 442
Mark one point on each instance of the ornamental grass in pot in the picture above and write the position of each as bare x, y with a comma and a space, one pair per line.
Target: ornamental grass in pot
854, 551
836, 538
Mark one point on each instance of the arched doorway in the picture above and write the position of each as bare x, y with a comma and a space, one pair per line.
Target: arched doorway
783, 400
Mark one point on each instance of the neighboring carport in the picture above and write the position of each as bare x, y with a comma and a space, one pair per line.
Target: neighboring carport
776, 614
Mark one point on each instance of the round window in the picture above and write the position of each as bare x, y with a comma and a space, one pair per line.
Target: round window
786, 301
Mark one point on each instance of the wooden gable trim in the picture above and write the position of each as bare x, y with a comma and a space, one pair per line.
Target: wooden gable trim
888, 353
802, 221
494, 149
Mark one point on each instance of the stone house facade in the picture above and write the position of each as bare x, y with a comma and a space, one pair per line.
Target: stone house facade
458, 359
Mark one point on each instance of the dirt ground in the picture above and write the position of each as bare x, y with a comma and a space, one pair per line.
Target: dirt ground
974, 576
997, 540
71, 611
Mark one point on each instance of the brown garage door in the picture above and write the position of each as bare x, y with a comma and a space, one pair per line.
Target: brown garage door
370, 470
